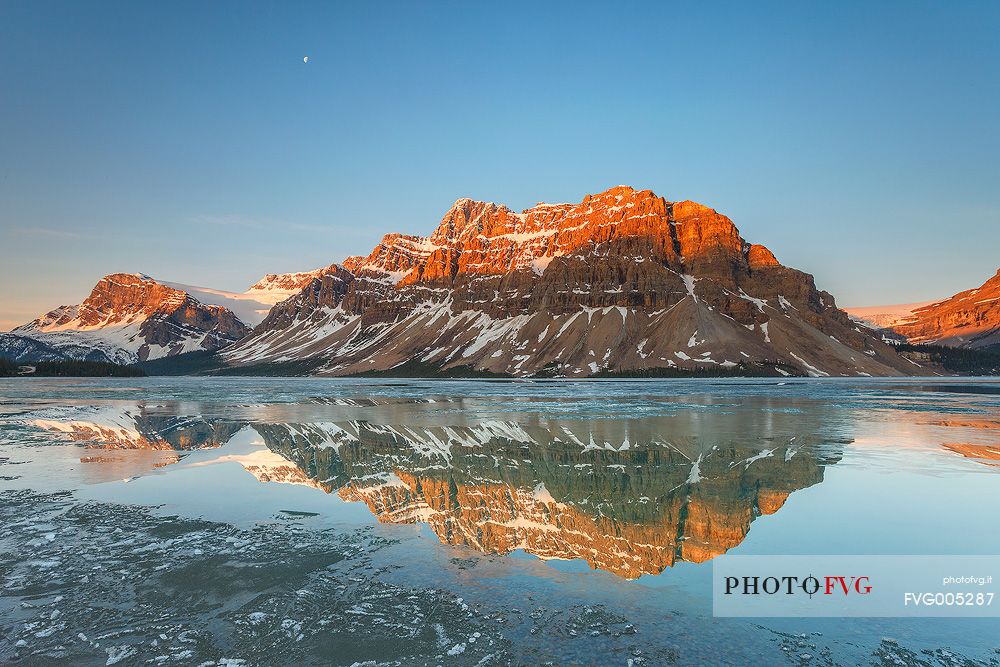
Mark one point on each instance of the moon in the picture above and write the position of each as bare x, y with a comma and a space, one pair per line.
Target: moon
305, 59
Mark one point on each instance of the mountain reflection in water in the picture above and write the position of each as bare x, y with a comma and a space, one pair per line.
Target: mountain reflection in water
628, 496
625, 503
134, 427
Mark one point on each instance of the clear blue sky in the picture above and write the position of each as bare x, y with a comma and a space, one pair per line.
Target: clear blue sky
189, 140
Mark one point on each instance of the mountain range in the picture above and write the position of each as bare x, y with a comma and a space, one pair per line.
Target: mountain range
623, 282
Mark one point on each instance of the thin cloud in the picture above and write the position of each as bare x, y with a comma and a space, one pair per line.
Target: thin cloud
46, 232
249, 222
231, 221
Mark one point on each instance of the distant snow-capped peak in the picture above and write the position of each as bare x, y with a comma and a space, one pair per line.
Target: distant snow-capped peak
127, 318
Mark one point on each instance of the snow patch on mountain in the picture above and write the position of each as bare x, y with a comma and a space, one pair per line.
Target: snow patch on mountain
250, 306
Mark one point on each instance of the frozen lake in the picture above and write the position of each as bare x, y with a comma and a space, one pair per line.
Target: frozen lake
332, 521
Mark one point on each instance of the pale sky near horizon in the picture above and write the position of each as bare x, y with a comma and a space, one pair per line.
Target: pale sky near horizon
190, 141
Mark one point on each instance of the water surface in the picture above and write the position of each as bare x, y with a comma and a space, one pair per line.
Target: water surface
328, 521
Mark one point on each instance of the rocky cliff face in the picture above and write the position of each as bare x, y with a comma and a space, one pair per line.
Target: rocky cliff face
624, 280
968, 319
129, 318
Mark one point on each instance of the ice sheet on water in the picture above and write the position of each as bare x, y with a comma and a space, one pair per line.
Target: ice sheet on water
117, 584
133, 587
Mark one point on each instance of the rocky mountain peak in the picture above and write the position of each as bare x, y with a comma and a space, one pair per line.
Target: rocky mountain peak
484, 238
760, 257
124, 296
625, 279
467, 218
129, 317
